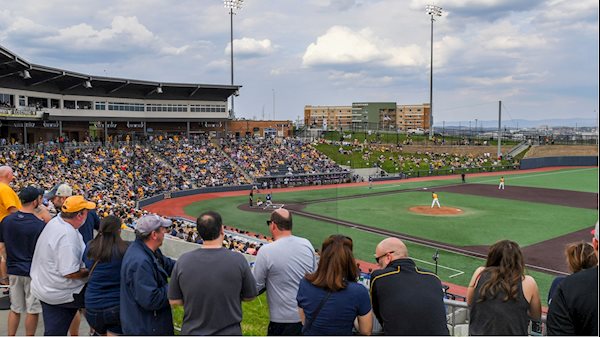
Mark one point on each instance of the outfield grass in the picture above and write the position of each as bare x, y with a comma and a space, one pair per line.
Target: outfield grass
581, 179
255, 318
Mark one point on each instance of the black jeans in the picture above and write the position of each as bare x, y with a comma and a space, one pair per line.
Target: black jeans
284, 329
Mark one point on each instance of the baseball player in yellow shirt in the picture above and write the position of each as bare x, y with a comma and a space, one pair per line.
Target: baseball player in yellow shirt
435, 200
501, 186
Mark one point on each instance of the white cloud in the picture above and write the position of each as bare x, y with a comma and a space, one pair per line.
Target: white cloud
124, 32
562, 10
359, 79
506, 36
341, 45
170, 50
248, 47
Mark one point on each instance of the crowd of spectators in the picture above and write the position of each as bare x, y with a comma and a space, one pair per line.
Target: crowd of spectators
235, 239
113, 177
262, 157
200, 160
378, 155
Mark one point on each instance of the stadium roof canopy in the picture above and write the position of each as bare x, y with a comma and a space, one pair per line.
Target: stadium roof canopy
17, 73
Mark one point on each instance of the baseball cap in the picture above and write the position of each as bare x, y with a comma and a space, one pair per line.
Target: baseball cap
151, 222
29, 194
76, 203
59, 190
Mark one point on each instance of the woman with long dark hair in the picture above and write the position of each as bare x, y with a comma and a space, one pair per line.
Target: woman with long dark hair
330, 299
501, 297
103, 257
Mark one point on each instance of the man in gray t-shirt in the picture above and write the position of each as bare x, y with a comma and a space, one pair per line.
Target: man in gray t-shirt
279, 267
210, 283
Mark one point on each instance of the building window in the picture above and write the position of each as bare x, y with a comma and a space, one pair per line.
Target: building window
118, 106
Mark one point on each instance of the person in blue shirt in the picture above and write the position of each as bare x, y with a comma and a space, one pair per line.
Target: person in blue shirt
87, 229
145, 271
19, 233
103, 257
330, 299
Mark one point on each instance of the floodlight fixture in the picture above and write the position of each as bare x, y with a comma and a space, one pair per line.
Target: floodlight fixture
87, 84
25, 74
233, 5
159, 90
433, 10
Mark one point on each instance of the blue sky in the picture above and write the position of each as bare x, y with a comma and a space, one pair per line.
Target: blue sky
539, 57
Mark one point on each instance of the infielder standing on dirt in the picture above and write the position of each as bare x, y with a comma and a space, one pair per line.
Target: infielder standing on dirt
501, 186
435, 200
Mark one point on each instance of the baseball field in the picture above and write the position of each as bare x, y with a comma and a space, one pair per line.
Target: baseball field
541, 209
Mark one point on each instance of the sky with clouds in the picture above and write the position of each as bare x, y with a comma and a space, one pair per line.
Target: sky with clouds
539, 57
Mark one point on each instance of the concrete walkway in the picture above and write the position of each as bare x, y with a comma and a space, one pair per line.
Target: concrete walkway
84, 328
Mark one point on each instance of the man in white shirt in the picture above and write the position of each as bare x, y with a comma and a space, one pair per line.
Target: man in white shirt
279, 267
58, 275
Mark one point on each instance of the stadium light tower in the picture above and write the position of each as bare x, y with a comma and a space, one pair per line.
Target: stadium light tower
234, 6
433, 11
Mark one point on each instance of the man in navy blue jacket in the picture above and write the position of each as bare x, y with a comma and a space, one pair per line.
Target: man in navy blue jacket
145, 308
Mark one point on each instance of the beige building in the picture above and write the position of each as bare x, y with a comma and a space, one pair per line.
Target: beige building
413, 116
368, 116
333, 117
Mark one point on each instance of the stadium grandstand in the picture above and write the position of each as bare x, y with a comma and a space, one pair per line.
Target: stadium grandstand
40, 103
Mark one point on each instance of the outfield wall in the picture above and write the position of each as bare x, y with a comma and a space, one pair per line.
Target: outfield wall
159, 197
533, 163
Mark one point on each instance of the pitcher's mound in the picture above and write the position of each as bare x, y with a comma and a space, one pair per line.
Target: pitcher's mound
427, 210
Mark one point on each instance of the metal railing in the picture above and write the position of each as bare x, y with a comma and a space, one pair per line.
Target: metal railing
457, 318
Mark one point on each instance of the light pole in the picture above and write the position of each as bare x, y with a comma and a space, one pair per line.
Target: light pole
433, 11
233, 6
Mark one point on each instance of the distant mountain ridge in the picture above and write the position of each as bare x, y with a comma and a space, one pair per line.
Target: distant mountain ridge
522, 123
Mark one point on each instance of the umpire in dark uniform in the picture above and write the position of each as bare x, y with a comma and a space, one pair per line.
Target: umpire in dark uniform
406, 300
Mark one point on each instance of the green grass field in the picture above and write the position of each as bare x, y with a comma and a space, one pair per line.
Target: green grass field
485, 221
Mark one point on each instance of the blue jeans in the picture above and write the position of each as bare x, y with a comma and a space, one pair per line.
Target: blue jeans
103, 320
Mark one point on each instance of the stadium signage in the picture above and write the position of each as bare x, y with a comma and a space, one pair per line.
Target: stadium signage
139, 125
50, 124
100, 125
27, 125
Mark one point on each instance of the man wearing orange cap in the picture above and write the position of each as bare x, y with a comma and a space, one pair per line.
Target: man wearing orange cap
58, 274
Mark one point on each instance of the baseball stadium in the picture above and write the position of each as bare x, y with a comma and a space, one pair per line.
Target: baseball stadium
135, 148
